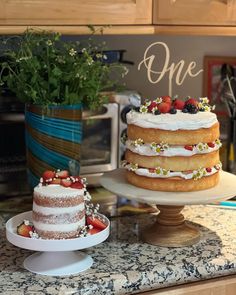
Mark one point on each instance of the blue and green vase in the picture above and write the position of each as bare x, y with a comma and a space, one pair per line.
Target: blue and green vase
53, 139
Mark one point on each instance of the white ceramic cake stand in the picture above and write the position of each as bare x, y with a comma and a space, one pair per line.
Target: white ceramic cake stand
58, 257
170, 228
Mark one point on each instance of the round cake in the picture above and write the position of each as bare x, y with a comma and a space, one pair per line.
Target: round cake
173, 145
58, 206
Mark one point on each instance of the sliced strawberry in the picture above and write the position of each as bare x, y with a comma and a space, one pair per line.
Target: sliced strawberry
152, 106
66, 182
55, 181
178, 104
164, 107
211, 144
93, 231
48, 174
23, 230
192, 101
208, 169
166, 98
77, 185
75, 178
188, 147
62, 174
95, 222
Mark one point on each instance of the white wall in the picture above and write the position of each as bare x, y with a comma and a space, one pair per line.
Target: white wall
189, 48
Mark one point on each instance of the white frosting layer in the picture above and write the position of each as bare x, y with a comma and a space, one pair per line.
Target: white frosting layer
178, 121
60, 227
58, 191
57, 210
147, 150
146, 172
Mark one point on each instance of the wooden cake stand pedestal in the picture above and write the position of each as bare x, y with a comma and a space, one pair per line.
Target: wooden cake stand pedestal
170, 228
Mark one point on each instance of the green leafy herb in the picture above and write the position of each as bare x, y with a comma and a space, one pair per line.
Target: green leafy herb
41, 68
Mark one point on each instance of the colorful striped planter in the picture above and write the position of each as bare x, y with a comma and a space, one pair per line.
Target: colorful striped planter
53, 137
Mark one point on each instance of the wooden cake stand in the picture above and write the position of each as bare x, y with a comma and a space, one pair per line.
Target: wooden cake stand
170, 228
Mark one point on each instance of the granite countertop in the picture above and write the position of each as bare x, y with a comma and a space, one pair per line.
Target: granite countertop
123, 264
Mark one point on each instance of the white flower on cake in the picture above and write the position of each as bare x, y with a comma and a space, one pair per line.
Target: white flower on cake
158, 100
159, 147
143, 109
137, 142
202, 146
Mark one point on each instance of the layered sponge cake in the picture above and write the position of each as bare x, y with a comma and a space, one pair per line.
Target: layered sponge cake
173, 145
59, 206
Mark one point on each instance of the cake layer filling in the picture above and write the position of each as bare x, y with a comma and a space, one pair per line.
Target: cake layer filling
179, 121
57, 210
159, 172
60, 227
153, 149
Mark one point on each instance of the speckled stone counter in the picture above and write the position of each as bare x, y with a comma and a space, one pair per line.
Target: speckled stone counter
125, 265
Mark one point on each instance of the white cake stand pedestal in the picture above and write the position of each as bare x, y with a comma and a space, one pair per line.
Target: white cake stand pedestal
170, 228
56, 257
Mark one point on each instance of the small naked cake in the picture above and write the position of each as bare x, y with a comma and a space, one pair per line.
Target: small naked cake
59, 206
173, 145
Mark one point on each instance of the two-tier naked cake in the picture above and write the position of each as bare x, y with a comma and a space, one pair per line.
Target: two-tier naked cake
173, 145
58, 205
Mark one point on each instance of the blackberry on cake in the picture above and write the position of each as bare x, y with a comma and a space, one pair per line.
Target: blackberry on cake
175, 150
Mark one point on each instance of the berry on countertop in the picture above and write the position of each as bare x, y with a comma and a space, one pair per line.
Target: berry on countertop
24, 230
164, 107
178, 104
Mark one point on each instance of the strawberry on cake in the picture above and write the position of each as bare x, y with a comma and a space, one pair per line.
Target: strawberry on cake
173, 145
59, 206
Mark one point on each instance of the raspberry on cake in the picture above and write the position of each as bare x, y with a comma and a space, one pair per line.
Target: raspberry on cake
59, 205
175, 148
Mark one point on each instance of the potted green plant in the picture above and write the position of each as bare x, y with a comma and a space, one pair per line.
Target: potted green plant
56, 80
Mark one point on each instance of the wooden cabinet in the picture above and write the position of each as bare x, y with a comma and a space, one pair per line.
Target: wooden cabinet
168, 17
195, 12
218, 286
75, 12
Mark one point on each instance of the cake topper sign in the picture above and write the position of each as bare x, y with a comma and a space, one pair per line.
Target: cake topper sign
177, 71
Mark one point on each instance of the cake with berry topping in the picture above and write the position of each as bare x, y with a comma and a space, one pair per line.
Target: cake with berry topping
59, 205
173, 145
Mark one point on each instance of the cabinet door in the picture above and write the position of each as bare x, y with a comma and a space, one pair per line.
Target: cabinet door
75, 12
195, 12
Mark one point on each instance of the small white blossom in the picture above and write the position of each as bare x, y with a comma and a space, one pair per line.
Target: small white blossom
72, 52
204, 100
158, 100
49, 42
143, 109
